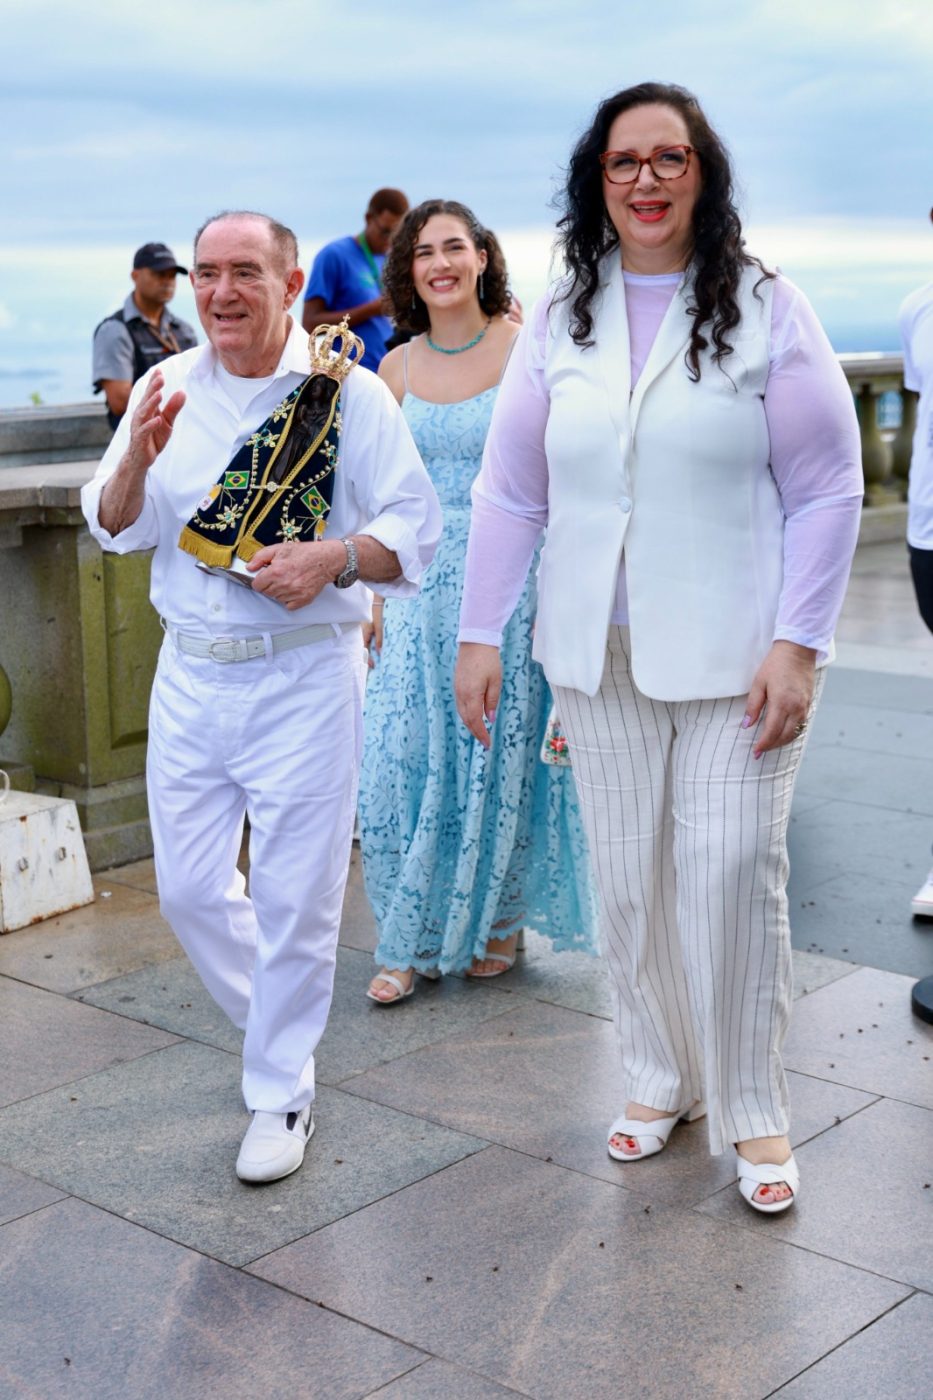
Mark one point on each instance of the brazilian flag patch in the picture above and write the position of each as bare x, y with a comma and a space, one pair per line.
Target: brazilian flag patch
315, 502
235, 481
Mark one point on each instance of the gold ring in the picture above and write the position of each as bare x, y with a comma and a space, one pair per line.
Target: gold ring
799, 728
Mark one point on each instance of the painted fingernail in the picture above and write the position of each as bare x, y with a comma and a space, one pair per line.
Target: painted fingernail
492, 716
746, 721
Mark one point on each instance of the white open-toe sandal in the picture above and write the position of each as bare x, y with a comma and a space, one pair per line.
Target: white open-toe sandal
767, 1174
395, 982
506, 960
430, 974
651, 1137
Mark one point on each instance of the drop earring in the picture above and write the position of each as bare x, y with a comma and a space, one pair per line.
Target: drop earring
480, 286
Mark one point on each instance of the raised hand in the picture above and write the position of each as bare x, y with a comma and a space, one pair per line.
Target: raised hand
150, 429
152, 423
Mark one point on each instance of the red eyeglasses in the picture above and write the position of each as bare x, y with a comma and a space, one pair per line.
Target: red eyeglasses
667, 163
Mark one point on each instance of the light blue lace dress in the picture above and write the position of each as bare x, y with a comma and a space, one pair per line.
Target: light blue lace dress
460, 844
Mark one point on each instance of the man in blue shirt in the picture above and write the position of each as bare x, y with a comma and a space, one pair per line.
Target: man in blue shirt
346, 277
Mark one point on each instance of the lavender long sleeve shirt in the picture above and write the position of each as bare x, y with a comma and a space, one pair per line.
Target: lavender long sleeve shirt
815, 460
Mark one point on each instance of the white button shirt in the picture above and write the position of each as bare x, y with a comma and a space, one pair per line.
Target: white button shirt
381, 489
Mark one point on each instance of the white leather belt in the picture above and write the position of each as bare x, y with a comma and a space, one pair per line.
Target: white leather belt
227, 649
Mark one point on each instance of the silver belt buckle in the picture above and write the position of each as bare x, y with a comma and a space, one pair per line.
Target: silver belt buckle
226, 649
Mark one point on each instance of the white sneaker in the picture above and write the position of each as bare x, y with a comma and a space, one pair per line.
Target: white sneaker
922, 902
274, 1145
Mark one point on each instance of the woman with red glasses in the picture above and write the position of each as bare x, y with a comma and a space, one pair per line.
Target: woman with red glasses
675, 416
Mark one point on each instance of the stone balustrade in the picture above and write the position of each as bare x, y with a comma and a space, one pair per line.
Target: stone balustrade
79, 639
75, 432
885, 456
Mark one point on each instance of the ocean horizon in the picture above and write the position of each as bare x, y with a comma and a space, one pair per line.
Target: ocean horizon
51, 298
67, 381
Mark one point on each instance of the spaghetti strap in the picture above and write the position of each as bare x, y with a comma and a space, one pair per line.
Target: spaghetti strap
405, 367
505, 362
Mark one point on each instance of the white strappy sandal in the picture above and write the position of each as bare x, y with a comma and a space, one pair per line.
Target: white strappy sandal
430, 974
651, 1137
506, 960
768, 1174
395, 982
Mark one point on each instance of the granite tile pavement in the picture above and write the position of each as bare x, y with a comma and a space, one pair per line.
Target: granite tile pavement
457, 1231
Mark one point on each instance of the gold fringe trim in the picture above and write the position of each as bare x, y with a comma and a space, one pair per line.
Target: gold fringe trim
248, 548
205, 550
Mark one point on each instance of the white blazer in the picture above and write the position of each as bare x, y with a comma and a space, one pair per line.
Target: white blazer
675, 475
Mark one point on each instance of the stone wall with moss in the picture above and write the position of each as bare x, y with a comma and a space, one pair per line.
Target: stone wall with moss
78, 637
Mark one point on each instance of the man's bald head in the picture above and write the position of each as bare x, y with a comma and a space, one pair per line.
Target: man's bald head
282, 238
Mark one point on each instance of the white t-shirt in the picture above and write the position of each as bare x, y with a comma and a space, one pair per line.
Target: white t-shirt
915, 320
240, 391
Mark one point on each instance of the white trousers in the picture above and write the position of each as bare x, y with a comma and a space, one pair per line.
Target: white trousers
280, 739
687, 833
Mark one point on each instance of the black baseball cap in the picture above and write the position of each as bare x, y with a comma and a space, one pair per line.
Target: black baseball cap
159, 257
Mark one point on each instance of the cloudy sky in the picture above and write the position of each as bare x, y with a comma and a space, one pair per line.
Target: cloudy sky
121, 122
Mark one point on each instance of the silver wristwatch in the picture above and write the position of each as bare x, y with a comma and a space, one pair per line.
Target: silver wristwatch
351, 573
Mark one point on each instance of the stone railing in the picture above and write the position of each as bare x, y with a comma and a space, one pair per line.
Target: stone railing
76, 432
78, 638
885, 454
885, 449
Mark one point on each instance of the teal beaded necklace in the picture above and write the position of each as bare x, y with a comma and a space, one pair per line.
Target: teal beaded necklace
458, 349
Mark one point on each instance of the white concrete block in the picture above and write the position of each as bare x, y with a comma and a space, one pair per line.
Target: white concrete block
43, 865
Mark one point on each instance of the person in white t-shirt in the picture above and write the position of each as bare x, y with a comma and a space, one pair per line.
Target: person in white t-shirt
915, 320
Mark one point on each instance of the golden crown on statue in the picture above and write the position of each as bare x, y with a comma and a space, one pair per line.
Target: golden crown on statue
326, 358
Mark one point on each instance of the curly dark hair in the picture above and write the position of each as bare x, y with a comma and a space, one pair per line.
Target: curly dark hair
718, 259
408, 310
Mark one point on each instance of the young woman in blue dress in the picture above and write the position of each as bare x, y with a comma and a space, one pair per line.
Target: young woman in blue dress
462, 848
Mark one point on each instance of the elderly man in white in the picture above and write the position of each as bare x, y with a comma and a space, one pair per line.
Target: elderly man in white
256, 704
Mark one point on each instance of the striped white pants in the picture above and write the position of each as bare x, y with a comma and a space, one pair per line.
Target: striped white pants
687, 833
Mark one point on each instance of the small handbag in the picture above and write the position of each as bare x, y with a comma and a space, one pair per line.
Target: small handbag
554, 746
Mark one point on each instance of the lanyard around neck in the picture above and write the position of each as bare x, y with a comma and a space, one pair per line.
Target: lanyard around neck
168, 341
368, 255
